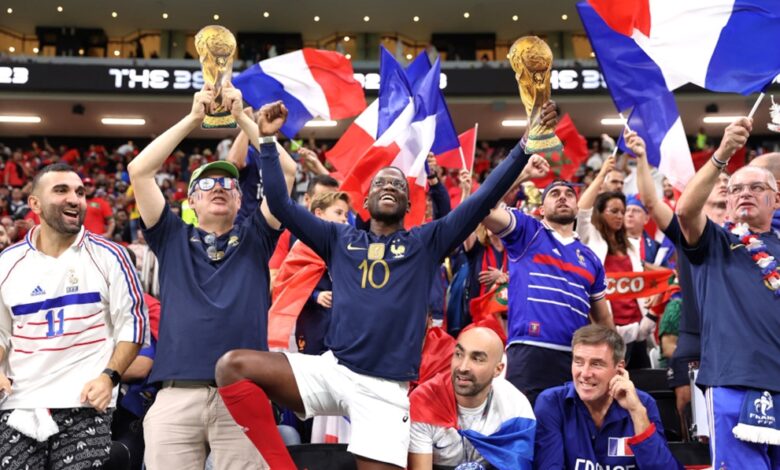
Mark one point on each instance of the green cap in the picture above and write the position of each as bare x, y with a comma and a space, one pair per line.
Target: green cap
227, 167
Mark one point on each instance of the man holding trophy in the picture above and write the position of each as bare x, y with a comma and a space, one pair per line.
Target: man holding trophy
214, 288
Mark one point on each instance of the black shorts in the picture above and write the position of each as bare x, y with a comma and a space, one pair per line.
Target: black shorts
677, 372
532, 369
84, 441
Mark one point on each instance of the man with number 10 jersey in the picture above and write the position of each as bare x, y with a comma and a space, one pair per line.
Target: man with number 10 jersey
381, 282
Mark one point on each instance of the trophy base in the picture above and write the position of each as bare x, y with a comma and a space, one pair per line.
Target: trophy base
221, 120
543, 143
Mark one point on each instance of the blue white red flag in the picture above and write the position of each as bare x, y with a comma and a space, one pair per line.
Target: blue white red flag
648, 48
311, 83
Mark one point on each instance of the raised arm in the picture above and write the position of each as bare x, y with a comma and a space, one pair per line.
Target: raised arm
148, 196
251, 129
689, 207
303, 224
238, 151
588, 197
660, 212
499, 218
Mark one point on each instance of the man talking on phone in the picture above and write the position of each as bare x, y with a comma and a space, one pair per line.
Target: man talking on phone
599, 419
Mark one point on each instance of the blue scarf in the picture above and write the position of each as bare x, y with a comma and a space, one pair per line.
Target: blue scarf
758, 418
511, 447
776, 222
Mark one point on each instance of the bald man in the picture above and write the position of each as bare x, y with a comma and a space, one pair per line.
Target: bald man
771, 161
458, 417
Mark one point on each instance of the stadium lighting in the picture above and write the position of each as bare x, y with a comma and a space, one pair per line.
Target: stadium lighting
10, 119
321, 123
109, 121
719, 119
613, 122
514, 122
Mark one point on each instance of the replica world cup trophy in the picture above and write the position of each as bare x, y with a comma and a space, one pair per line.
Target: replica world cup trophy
531, 59
215, 45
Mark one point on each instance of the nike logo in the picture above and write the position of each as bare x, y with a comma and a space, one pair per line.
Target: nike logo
355, 248
440, 447
734, 246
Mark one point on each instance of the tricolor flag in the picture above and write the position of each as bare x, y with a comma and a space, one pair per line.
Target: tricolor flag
311, 83
618, 447
364, 131
410, 121
648, 48
510, 446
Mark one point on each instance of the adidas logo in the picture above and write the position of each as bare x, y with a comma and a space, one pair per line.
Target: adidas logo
37, 291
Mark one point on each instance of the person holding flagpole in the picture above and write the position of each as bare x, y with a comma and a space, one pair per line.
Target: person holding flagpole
737, 281
381, 283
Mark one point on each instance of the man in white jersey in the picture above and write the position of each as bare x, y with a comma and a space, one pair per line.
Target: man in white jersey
72, 319
460, 418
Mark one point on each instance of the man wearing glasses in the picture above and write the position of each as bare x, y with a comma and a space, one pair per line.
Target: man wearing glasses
381, 282
214, 292
737, 282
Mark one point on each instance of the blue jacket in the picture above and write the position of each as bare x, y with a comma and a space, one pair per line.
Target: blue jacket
567, 437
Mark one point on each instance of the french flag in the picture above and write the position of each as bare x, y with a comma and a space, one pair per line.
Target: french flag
618, 447
648, 48
378, 116
405, 123
311, 83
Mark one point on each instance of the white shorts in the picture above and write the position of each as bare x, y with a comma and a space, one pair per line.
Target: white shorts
378, 408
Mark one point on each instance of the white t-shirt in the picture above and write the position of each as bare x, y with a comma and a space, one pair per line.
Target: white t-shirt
447, 446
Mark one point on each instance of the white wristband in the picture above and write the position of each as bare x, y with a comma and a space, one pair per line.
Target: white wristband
268, 139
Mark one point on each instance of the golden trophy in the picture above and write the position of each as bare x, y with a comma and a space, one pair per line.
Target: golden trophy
531, 59
215, 45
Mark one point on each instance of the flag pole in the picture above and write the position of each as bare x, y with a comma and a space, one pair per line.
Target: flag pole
462, 158
755, 105
474, 150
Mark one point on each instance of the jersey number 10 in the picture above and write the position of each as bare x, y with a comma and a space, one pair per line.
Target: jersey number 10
368, 273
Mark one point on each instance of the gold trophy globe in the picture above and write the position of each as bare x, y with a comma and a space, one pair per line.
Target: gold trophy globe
216, 45
531, 59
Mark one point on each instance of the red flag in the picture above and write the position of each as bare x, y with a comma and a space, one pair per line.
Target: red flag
451, 158
490, 303
436, 354
633, 285
298, 276
575, 150
433, 402
735, 163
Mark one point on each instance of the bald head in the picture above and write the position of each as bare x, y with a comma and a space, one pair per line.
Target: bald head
769, 161
484, 339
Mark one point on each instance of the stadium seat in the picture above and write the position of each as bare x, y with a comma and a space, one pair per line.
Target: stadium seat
691, 454
649, 380
667, 408
322, 457
118, 457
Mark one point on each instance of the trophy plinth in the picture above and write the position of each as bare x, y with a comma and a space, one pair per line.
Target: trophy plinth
531, 59
216, 46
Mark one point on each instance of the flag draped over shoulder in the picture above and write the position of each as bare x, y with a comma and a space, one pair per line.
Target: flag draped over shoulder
298, 276
648, 48
311, 83
509, 447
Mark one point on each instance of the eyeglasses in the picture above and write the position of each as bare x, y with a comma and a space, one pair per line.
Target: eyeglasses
755, 188
397, 183
208, 183
211, 247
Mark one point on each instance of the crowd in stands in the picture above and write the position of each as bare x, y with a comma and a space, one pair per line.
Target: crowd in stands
512, 370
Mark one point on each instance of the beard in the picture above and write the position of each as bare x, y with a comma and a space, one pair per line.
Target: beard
472, 388
561, 218
388, 217
54, 218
